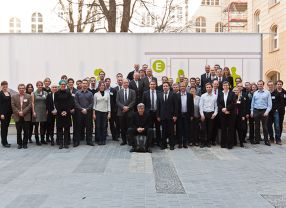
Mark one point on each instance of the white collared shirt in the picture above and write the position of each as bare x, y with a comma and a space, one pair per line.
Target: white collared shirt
184, 102
208, 103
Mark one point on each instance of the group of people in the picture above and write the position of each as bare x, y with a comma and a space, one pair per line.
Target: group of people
208, 110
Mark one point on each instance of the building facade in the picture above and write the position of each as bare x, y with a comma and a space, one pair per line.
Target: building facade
269, 17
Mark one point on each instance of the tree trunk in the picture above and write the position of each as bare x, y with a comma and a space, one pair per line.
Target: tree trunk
126, 16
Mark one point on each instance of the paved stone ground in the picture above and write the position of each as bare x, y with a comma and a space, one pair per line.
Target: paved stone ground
110, 176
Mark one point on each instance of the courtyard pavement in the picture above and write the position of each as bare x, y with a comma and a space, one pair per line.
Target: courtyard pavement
111, 176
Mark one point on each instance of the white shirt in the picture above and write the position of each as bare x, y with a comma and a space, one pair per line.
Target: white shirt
225, 97
184, 102
164, 93
208, 103
155, 99
125, 91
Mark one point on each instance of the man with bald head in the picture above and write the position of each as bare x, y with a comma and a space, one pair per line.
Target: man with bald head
131, 74
125, 101
205, 77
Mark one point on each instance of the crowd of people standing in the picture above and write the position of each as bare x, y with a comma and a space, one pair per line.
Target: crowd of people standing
198, 111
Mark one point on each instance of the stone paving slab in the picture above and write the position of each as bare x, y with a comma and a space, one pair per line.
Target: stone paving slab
111, 176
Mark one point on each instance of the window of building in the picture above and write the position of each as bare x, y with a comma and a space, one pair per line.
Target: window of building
14, 25
257, 21
37, 22
201, 24
210, 2
274, 45
219, 27
273, 76
180, 14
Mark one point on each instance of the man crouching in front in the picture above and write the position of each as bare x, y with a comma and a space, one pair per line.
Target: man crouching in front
140, 133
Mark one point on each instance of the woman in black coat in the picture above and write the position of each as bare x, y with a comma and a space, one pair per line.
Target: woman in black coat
5, 112
64, 105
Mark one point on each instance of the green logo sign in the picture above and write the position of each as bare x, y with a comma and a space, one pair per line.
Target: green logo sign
159, 66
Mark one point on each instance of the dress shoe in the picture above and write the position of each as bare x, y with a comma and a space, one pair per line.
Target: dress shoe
52, 143
115, 139
25, 146
90, 144
66, 146
267, 143
230, 147
214, 143
279, 142
131, 150
196, 144
75, 144
19, 146
241, 144
208, 145
257, 142
38, 143
180, 146
6, 145
149, 150
185, 146
61, 146
163, 147
202, 146
271, 139
172, 148
43, 142
104, 143
123, 143
99, 143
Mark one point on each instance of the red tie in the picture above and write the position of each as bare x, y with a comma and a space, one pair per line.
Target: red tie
215, 92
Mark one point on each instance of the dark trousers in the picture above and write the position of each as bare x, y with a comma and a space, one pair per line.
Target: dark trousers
281, 120
101, 121
63, 133
42, 130
113, 125
183, 124
216, 126
168, 132
227, 130
51, 126
273, 118
249, 126
125, 121
22, 126
155, 124
258, 116
239, 129
83, 128
74, 127
132, 132
31, 128
195, 131
4, 129
207, 128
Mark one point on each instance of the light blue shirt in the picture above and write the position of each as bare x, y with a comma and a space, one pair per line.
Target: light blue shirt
261, 100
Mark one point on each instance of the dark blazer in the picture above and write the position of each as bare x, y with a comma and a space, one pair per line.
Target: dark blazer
241, 106
230, 80
130, 102
223, 79
146, 100
230, 102
26, 108
146, 83
167, 109
64, 101
5, 104
141, 121
204, 80
50, 103
113, 106
190, 105
138, 91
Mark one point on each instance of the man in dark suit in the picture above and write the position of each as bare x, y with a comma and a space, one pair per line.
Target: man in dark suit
130, 74
160, 87
137, 86
146, 80
150, 98
226, 109
185, 114
167, 114
220, 78
125, 100
21, 106
212, 76
140, 126
205, 77
52, 112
